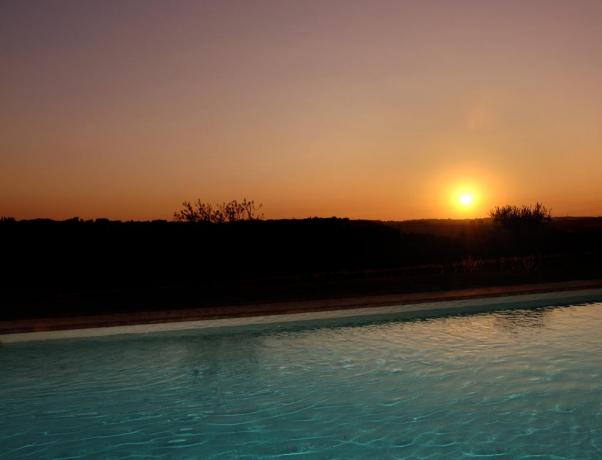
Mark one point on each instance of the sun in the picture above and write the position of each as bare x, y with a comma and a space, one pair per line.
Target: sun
465, 196
465, 199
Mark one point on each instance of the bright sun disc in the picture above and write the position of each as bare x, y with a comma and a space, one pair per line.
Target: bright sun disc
465, 199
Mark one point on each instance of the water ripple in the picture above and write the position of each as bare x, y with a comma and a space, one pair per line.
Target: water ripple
520, 384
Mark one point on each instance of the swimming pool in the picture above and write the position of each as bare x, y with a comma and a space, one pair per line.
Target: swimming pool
514, 384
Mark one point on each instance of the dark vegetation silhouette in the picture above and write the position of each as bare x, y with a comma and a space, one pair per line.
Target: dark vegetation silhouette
525, 216
226, 255
232, 211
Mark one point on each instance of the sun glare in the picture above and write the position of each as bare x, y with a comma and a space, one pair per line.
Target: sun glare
464, 194
465, 199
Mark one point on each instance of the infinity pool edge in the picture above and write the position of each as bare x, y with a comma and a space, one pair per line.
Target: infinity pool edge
401, 311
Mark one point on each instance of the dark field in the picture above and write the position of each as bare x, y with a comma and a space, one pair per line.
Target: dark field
51, 268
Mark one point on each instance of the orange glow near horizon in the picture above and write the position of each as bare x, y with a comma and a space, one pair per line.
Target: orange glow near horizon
375, 110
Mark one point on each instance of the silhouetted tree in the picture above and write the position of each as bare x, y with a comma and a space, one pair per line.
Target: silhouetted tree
232, 211
524, 216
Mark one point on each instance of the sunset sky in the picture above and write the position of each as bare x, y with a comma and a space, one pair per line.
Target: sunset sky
364, 109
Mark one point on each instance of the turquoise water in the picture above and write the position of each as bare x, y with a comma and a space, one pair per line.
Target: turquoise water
520, 384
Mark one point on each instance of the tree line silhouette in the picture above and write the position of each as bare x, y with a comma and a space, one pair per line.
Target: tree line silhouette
231, 211
521, 217
230, 254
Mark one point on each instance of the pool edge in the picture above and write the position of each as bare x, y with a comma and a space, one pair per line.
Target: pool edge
401, 311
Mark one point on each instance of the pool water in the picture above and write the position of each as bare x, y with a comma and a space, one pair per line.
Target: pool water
519, 384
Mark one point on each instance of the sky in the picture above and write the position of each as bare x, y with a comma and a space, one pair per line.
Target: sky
363, 109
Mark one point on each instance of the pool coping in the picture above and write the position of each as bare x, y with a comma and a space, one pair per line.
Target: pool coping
452, 302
